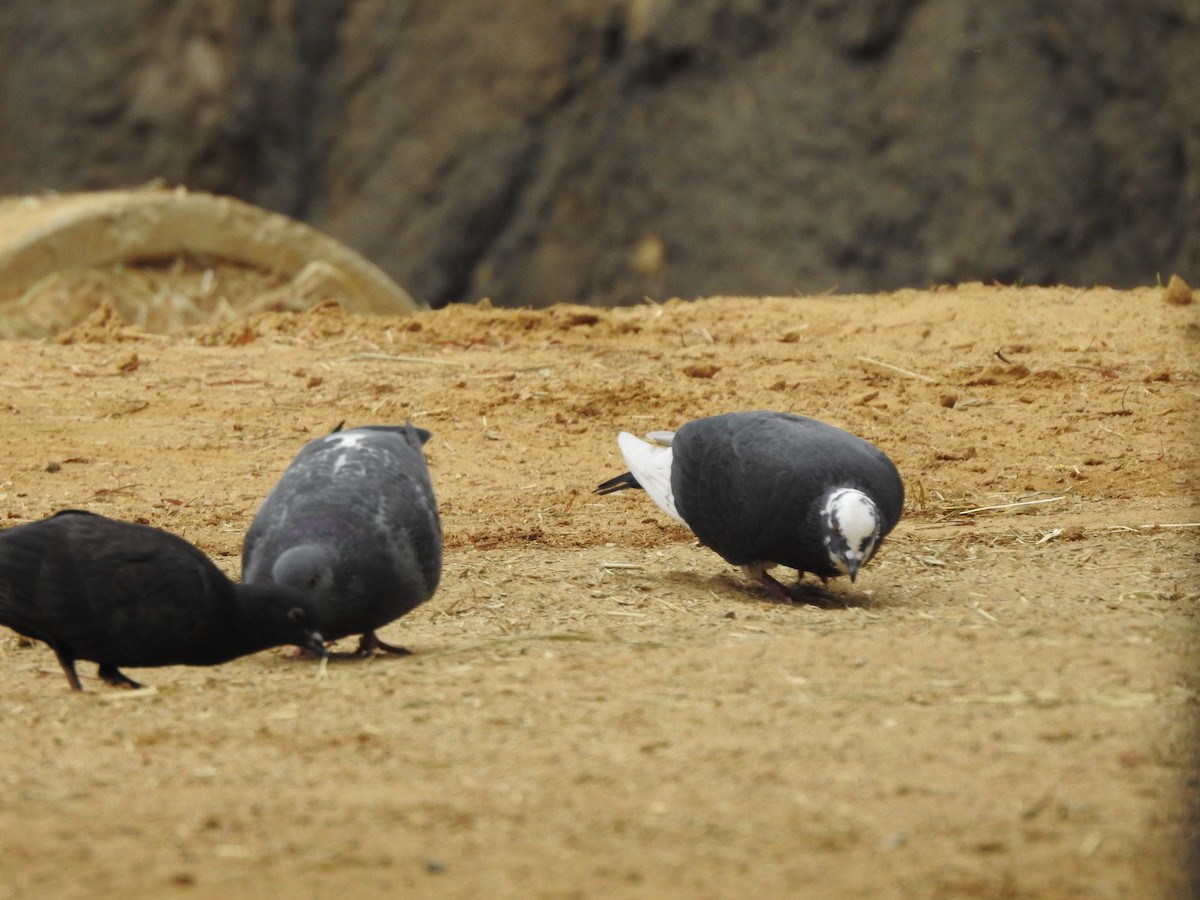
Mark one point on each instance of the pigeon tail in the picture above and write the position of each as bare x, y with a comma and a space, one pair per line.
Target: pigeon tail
650, 465
622, 482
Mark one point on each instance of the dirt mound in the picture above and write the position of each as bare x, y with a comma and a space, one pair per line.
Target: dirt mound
164, 259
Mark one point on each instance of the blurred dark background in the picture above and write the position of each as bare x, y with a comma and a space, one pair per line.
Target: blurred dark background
600, 151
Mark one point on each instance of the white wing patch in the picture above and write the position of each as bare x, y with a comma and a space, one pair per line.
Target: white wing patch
346, 440
339, 462
651, 466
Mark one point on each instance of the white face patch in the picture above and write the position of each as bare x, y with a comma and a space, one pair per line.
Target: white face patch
853, 523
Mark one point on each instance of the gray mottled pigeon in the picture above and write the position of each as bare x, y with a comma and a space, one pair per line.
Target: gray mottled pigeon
767, 488
122, 594
353, 523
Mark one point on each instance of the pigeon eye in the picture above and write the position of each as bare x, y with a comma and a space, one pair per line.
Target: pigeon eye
296, 614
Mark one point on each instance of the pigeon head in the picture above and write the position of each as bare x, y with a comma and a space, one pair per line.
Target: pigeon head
851, 525
273, 616
305, 568
312, 639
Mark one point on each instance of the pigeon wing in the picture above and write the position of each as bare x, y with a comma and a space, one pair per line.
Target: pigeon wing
415, 533
22, 550
144, 597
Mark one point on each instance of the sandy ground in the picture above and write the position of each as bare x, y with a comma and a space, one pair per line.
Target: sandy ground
1002, 706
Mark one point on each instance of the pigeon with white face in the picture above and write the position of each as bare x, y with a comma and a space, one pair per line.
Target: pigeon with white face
766, 488
352, 524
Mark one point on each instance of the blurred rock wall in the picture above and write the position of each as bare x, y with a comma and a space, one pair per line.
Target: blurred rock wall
605, 150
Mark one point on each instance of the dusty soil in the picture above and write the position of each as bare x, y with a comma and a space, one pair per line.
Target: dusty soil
599, 707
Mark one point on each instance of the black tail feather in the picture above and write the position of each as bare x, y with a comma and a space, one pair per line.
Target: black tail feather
620, 483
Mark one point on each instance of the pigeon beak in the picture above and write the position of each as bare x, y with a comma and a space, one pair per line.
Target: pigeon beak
852, 566
316, 643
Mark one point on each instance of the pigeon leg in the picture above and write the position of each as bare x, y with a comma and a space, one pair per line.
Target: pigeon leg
776, 588
113, 677
67, 661
369, 643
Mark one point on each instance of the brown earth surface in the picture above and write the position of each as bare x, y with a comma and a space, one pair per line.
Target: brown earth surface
1002, 705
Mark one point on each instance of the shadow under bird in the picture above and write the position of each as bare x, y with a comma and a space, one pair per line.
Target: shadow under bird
353, 523
766, 488
122, 594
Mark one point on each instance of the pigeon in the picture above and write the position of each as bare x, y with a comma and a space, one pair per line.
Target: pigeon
767, 488
353, 523
122, 594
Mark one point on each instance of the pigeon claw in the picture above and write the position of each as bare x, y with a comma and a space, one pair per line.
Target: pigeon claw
777, 588
370, 642
114, 677
793, 594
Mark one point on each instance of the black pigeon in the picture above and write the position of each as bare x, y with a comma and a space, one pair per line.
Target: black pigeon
766, 488
353, 522
121, 594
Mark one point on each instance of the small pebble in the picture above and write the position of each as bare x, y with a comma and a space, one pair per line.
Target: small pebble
1177, 291
893, 842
